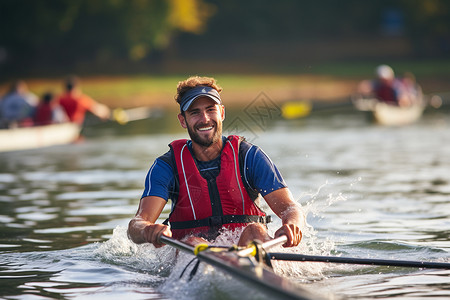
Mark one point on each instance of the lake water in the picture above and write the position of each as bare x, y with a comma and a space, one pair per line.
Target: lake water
368, 191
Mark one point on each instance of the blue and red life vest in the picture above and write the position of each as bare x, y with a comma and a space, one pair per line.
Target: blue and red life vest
204, 205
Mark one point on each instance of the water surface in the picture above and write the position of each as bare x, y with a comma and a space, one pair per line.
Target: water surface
368, 191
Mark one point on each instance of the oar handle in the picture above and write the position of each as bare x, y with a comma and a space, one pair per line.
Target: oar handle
251, 248
275, 242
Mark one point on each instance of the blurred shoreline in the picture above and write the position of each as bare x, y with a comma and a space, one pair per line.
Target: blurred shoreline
326, 82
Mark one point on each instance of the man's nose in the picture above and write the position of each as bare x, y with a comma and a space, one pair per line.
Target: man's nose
204, 116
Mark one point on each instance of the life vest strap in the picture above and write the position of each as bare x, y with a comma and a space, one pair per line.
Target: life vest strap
218, 221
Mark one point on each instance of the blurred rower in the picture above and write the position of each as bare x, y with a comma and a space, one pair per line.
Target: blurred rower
76, 104
385, 87
49, 112
17, 106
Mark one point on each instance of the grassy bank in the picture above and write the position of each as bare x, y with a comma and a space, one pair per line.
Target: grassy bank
327, 82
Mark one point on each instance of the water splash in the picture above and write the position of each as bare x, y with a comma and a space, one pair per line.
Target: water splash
120, 250
317, 203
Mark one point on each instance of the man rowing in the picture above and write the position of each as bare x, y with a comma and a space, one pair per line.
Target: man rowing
215, 182
389, 89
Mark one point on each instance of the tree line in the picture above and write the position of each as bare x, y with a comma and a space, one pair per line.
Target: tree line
57, 34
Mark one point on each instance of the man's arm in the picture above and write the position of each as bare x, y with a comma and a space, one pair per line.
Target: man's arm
284, 206
100, 110
142, 228
262, 175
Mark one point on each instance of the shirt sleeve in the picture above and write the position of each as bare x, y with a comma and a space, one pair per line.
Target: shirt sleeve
159, 179
86, 102
261, 173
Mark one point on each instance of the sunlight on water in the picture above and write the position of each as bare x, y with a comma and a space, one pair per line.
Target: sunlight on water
367, 191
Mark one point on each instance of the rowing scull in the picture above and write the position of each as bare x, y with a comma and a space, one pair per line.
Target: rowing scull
242, 265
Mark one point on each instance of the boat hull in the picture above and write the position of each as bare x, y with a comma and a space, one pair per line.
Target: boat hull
38, 137
391, 115
388, 114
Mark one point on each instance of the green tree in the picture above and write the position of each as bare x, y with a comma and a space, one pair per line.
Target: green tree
67, 32
428, 25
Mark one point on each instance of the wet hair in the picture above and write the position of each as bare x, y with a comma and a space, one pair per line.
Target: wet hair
192, 82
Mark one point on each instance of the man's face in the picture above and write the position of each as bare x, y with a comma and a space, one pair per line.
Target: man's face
203, 120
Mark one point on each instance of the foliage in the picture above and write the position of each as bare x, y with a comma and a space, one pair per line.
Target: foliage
77, 34
64, 31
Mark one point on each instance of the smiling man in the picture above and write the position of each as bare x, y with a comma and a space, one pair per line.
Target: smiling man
215, 183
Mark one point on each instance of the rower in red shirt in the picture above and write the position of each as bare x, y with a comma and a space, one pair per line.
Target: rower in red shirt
76, 104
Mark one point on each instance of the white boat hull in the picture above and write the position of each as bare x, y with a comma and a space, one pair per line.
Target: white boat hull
37, 137
390, 115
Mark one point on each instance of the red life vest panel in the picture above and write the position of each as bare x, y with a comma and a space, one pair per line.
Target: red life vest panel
43, 115
386, 93
205, 206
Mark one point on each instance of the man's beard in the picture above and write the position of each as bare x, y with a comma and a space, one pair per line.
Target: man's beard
205, 142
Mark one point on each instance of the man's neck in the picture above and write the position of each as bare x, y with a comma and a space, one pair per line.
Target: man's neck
207, 153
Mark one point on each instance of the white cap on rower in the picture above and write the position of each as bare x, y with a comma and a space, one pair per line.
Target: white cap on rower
385, 72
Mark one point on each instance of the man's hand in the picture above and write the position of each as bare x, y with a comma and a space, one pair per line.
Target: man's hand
293, 233
153, 232
142, 228
284, 206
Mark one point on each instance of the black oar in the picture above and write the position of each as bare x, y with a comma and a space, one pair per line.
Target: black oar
359, 261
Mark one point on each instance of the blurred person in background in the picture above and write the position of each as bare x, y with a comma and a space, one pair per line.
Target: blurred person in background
386, 87
17, 106
49, 112
413, 91
76, 104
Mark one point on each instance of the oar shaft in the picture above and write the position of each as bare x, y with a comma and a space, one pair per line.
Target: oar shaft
177, 244
359, 261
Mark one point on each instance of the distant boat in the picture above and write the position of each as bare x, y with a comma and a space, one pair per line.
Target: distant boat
24, 138
389, 114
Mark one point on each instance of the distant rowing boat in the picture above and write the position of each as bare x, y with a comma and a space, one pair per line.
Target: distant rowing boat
25, 138
388, 114
38, 136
